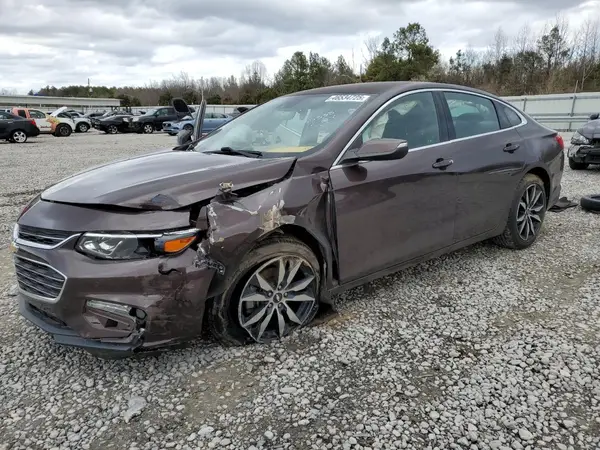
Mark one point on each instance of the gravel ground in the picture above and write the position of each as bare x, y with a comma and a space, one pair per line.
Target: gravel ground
485, 348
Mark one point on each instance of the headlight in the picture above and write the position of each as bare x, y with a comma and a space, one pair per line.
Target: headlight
128, 246
579, 139
136, 119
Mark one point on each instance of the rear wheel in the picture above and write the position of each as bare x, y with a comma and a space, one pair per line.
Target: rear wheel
18, 137
577, 165
82, 127
526, 214
274, 291
148, 128
63, 130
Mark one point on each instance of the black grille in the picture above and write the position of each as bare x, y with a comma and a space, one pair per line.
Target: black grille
37, 278
42, 236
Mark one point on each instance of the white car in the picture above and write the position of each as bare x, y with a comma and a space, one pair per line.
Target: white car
48, 124
82, 123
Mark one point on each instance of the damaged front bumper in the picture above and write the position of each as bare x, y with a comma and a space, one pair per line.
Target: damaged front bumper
585, 154
152, 303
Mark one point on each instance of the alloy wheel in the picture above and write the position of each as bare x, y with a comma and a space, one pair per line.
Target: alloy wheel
278, 297
112, 129
530, 211
19, 137
83, 128
148, 128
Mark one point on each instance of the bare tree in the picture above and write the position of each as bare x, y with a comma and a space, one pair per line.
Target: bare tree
499, 45
371, 49
524, 40
586, 49
6, 91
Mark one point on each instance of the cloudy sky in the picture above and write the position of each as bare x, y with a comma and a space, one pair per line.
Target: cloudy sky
124, 42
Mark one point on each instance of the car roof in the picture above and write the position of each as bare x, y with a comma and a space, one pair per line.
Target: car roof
390, 88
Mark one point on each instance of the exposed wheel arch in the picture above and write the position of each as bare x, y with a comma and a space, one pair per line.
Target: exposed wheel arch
298, 232
545, 177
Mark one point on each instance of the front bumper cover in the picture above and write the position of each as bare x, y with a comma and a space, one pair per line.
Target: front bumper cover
171, 292
586, 154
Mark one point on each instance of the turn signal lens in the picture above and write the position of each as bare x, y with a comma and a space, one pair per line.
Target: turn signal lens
177, 245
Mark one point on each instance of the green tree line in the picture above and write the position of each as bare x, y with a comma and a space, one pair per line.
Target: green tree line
555, 61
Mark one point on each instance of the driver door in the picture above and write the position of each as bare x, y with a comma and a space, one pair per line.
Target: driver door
392, 212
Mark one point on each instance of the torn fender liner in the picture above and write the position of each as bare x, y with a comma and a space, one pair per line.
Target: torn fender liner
235, 222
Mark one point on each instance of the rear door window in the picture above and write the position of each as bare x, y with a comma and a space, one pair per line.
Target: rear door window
472, 115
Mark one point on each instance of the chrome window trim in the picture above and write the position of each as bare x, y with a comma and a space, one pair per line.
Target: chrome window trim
36, 296
336, 163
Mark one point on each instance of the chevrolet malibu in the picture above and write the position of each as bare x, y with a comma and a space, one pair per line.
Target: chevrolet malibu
251, 229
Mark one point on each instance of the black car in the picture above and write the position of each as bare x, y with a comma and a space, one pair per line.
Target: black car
114, 124
153, 119
585, 145
17, 129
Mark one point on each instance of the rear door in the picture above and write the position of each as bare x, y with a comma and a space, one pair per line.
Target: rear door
489, 157
5, 120
165, 115
41, 120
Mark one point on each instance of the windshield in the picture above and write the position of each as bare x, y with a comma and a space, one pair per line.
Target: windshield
292, 124
188, 117
149, 112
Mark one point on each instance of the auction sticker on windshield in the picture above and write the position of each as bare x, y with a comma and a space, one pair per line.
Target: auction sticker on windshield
348, 98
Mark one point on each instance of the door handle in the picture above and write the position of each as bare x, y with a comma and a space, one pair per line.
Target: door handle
442, 163
510, 148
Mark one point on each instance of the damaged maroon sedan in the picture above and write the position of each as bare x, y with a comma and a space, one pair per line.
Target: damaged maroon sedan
252, 228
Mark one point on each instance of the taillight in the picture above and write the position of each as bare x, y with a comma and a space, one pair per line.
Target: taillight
560, 141
33, 122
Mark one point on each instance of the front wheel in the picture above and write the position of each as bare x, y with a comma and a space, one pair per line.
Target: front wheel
148, 128
526, 214
18, 137
274, 291
188, 127
112, 129
577, 165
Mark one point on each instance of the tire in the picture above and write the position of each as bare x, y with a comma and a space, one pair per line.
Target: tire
511, 237
148, 128
18, 137
63, 130
590, 203
82, 127
188, 127
112, 129
225, 311
577, 166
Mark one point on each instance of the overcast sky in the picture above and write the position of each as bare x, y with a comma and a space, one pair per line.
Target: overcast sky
125, 42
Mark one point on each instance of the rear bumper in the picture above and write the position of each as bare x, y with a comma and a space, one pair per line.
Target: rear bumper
585, 154
33, 132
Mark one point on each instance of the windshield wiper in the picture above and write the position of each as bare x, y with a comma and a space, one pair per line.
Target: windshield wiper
231, 151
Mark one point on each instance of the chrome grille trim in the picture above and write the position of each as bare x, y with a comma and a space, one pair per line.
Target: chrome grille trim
35, 282
42, 238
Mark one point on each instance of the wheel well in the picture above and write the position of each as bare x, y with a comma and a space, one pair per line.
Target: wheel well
545, 178
302, 235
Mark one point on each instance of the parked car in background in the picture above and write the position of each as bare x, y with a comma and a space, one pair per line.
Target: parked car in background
57, 126
82, 123
212, 121
115, 123
95, 114
585, 145
153, 119
17, 129
252, 236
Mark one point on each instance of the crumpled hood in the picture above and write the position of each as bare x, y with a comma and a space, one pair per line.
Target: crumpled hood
591, 130
165, 180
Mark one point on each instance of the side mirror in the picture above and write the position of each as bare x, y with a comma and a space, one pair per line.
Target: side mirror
379, 150
594, 116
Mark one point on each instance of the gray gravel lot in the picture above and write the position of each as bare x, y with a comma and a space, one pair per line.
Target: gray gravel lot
485, 348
